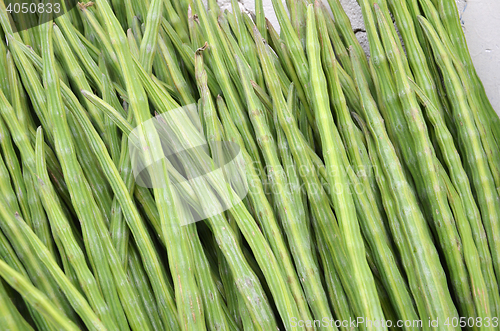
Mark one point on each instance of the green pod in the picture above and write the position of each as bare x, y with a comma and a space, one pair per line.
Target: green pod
32, 266
448, 13
293, 221
469, 142
79, 189
139, 278
9, 313
150, 39
338, 180
266, 217
35, 297
425, 176
420, 259
15, 171
15, 246
79, 303
458, 176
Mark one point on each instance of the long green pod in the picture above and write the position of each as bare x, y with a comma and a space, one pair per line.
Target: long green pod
388, 101
32, 84
82, 51
84, 154
260, 18
212, 300
297, 51
195, 30
15, 171
461, 183
232, 295
235, 105
35, 297
185, 125
294, 223
320, 204
225, 47
135, 225
323, 218
484, 124
214, 135
490, 145
9, 315
469, 142
78, 301
30, 80
261, 315
245, 42
139, 278
370, 213
4, 79
133, 43
487, 121
416, 56
297, 54
150, 38
12, 246
337, 178
284, 56
426, 276
341, 50
337, 295
448, 13
266, 259
388, 201
109, 94
265, 214
415, 10
75, 73
85, 205
239, 54
125, 290
215, 317
173, 18
388, 16
420, 57
17, 94
186, 52
480, 292
86, 159
104, 41
299, 198
305, 128
119, 231
349, 38
324, 222
34, 269
353, 143
436, 199
246, 281
159, 65
189, 313
40, 224
177, 77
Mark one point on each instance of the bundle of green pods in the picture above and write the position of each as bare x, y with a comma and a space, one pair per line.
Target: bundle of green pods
363, 192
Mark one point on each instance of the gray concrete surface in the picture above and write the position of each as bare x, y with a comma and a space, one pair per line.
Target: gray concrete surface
481, 22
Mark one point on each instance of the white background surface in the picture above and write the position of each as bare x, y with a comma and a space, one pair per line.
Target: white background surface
481, 22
